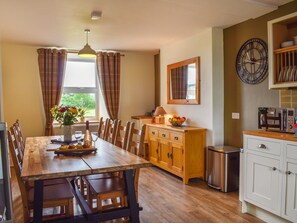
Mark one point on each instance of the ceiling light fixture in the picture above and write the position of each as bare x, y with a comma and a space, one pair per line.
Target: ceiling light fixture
87, 51
95, 15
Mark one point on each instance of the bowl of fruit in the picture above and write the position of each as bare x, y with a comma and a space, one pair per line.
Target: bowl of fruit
177, 120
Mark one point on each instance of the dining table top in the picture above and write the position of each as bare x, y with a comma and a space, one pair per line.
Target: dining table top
40, 164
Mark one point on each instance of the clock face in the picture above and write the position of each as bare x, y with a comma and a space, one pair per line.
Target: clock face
252, 61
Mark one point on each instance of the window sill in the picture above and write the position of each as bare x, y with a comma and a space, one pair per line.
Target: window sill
79, 123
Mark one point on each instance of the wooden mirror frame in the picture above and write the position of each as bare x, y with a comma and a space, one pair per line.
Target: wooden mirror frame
195, 101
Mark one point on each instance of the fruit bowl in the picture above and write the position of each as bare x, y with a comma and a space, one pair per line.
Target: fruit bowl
177, 120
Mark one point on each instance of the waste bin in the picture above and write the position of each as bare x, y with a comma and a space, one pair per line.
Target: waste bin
223, 167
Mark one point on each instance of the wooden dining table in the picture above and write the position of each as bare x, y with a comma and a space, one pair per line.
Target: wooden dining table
40, 164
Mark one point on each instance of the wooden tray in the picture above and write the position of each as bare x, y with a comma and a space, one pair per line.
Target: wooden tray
75, 152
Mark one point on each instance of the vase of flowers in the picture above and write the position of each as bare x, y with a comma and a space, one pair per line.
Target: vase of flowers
66, 116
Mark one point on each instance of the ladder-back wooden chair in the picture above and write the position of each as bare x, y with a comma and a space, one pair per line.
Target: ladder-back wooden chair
111, 131
114, 188
122, 134
136, 146
55, 195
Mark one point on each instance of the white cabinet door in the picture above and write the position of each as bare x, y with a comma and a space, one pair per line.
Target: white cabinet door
291, 189
263, 182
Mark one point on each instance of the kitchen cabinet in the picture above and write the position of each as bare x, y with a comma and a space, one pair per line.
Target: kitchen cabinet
270, 173
290, 182
178, 150
282, 61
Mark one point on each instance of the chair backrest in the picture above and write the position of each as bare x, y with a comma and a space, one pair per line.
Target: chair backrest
100, 128
136, 140
18, 136
14, 153
136, 145
19, 129
111, 131
17, 143
122, 134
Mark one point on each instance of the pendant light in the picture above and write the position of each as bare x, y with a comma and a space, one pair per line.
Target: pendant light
87, 51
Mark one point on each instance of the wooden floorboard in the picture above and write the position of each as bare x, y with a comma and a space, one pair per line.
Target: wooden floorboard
166, 199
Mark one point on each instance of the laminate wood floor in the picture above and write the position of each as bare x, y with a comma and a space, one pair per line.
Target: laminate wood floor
165, 199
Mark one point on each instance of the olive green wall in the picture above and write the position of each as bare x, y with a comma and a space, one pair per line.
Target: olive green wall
240, 97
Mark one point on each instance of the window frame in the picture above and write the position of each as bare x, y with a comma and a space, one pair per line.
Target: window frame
88, 90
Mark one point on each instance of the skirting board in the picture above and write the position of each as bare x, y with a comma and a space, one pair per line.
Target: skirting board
262, 214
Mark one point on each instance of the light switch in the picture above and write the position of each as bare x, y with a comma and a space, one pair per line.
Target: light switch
235, 115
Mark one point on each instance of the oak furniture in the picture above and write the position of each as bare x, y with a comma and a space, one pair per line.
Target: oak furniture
178, 150
269, 173
282, 61
40, 164
56, 194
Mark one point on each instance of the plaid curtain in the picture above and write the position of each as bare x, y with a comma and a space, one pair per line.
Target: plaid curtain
52, 63
108, 67
179, 82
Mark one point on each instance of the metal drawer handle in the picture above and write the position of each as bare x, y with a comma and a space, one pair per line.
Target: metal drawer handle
288, 172
163, 134
262, 146
274, 168
168, 155
176, 138
153, 133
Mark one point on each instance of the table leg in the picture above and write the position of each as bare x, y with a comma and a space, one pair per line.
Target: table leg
134, 210
38, 201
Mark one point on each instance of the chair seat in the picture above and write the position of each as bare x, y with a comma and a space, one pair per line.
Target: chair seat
53, 192
106, 185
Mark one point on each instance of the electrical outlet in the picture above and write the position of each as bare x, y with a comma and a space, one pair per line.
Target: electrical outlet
235, 115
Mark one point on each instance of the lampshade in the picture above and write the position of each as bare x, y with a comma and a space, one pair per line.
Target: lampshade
159, 111
87, 51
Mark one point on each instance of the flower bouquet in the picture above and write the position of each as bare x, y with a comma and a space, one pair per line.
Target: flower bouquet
66, 116
177, 120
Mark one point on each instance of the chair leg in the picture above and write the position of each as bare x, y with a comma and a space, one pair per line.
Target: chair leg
99, 203
62, 209
69, 209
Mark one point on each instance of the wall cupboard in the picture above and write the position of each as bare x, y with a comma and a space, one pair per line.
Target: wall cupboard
282, 61
178, 150
270, 175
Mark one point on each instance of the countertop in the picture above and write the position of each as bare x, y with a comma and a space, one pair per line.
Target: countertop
274, 135
141, 117
179, 129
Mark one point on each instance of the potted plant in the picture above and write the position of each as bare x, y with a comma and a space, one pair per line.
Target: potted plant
81, 113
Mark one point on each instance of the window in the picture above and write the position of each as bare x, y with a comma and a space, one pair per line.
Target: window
81, 85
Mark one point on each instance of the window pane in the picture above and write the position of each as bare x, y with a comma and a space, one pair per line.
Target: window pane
80, 74
86, 100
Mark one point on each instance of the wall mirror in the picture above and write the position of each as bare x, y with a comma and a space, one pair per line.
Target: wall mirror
183, 82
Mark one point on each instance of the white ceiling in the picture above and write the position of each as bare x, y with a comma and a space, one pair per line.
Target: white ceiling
125, 24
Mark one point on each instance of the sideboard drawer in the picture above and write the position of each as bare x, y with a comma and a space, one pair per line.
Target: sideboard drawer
163, 134
177, 138
263, 145
153, 132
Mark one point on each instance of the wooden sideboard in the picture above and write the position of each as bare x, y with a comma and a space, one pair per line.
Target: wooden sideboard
178, 150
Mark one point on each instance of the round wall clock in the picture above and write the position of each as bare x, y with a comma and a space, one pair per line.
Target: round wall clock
252, 61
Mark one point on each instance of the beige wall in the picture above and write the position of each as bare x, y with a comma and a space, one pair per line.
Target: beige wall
240, 97
137, 84
22, 93
198, 45
21, 88
1, 98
